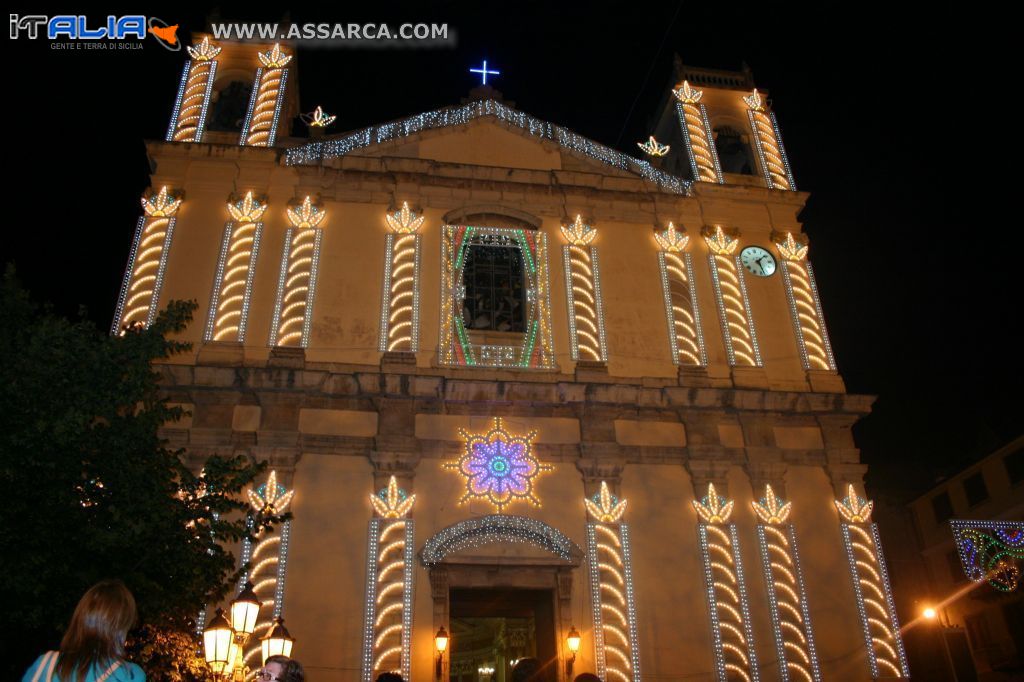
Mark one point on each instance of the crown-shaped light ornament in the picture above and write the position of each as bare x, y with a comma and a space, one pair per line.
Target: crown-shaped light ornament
306, 215
248, 210
604, 506
791, 249
772, 509
713, 509
672, 239
653, 148
755, 101
578, 233
161, 204
404, 220
392, 502
204, 51
853, 508
317, 118
719, 242
274, 58
271, 499
688, 95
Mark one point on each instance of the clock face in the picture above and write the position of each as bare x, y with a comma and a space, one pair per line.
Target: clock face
757, 261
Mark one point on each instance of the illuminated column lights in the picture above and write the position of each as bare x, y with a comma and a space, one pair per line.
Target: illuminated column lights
140, 290
731, 296
270, 558
768, 142
236, 267
387, 623
193, 100
296, 286
871, 586
805, 306
686, 338
726, 591
400, 303
787, 598
260, 126
697, 134
611, 588
583, 290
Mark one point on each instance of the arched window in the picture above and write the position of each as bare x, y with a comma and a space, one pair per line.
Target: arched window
494, 281
734, 154
229, 105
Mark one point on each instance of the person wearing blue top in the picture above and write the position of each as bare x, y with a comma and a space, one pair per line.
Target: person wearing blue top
93, 646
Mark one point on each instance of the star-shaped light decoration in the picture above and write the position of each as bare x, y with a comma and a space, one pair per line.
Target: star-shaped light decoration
271, 498
604, 506
653, 148
671, 239
274, 58
579, 233
404, 221
248, 210
772, 509
317, 118
713, 509
392, 502
203, 52
755, 101
854, 509
161, 204
498, 466
306, 215
791, 249
687, 94
719, 242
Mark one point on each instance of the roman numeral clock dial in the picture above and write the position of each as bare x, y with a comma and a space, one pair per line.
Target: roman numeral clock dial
757, 261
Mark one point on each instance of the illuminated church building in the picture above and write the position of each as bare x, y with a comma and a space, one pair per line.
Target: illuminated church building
520, 383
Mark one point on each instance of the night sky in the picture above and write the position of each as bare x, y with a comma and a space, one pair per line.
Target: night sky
918, 314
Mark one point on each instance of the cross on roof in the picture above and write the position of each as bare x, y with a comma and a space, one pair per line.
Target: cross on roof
484, 73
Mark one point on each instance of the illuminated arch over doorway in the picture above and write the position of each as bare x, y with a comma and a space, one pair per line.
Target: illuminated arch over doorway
499, 528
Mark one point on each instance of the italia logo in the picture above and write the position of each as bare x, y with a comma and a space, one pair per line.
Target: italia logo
79, 27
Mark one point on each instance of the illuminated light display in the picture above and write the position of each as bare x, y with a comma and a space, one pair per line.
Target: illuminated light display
787, 597
317, 118
804, 305
733, 637
731, 296
991, 551
870, 578
536, 349
387, 620
498, 466
188, 117
236, 268
147, 263
319, 151
653, 148
484, 72
768, 143
611, 588
260, 126
296, 286
685, 335
697, 134
269, 557
400, 302
583, 292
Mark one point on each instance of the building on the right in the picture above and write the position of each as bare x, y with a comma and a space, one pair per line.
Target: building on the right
970, 529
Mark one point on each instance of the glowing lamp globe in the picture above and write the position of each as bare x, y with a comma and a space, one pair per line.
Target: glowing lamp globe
573, 640
245, 609
217, 640
441, 640
929, 613
277, 641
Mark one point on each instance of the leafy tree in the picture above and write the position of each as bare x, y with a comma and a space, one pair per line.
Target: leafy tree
92, 492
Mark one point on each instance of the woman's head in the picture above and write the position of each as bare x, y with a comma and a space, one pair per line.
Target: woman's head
282, 669
98, 629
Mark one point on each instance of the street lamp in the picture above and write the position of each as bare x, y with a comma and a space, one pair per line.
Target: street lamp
441, 642
224, 640
245, 609
573, 642
277, 641
217, 640
929, 613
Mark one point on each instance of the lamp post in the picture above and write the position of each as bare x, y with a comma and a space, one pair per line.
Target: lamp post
441, 643
224, 640
573, 642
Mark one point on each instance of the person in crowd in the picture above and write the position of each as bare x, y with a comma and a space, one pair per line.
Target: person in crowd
526, 670
281, 669
92, 649
586, 677
389, 677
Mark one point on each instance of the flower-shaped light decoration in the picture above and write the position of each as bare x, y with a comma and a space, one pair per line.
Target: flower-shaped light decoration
1005, 576
755, 101
791, 249
203, 52
274, 58
392, 502
688, 95
306, 215
161, 204
719, 242
579, 233
853, 508
713, 509
404, 221
271, 498
317, 118
772, 509
653, 148
248, 210
672, 240
604, 506
498, 466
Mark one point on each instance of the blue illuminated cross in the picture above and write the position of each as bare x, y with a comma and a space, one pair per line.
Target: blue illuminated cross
484, 72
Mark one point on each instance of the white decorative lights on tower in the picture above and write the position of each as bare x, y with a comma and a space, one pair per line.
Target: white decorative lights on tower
583, 291
804, 305
296, 286
260, 126
400, 302
768, 142
731, 295
697, 134
236, 268
686, 338
188, 118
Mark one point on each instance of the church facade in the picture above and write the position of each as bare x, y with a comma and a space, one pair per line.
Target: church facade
520, 385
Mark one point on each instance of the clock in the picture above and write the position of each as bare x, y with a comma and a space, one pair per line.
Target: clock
757, 261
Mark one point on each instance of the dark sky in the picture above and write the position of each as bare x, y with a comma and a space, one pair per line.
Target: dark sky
920, 314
